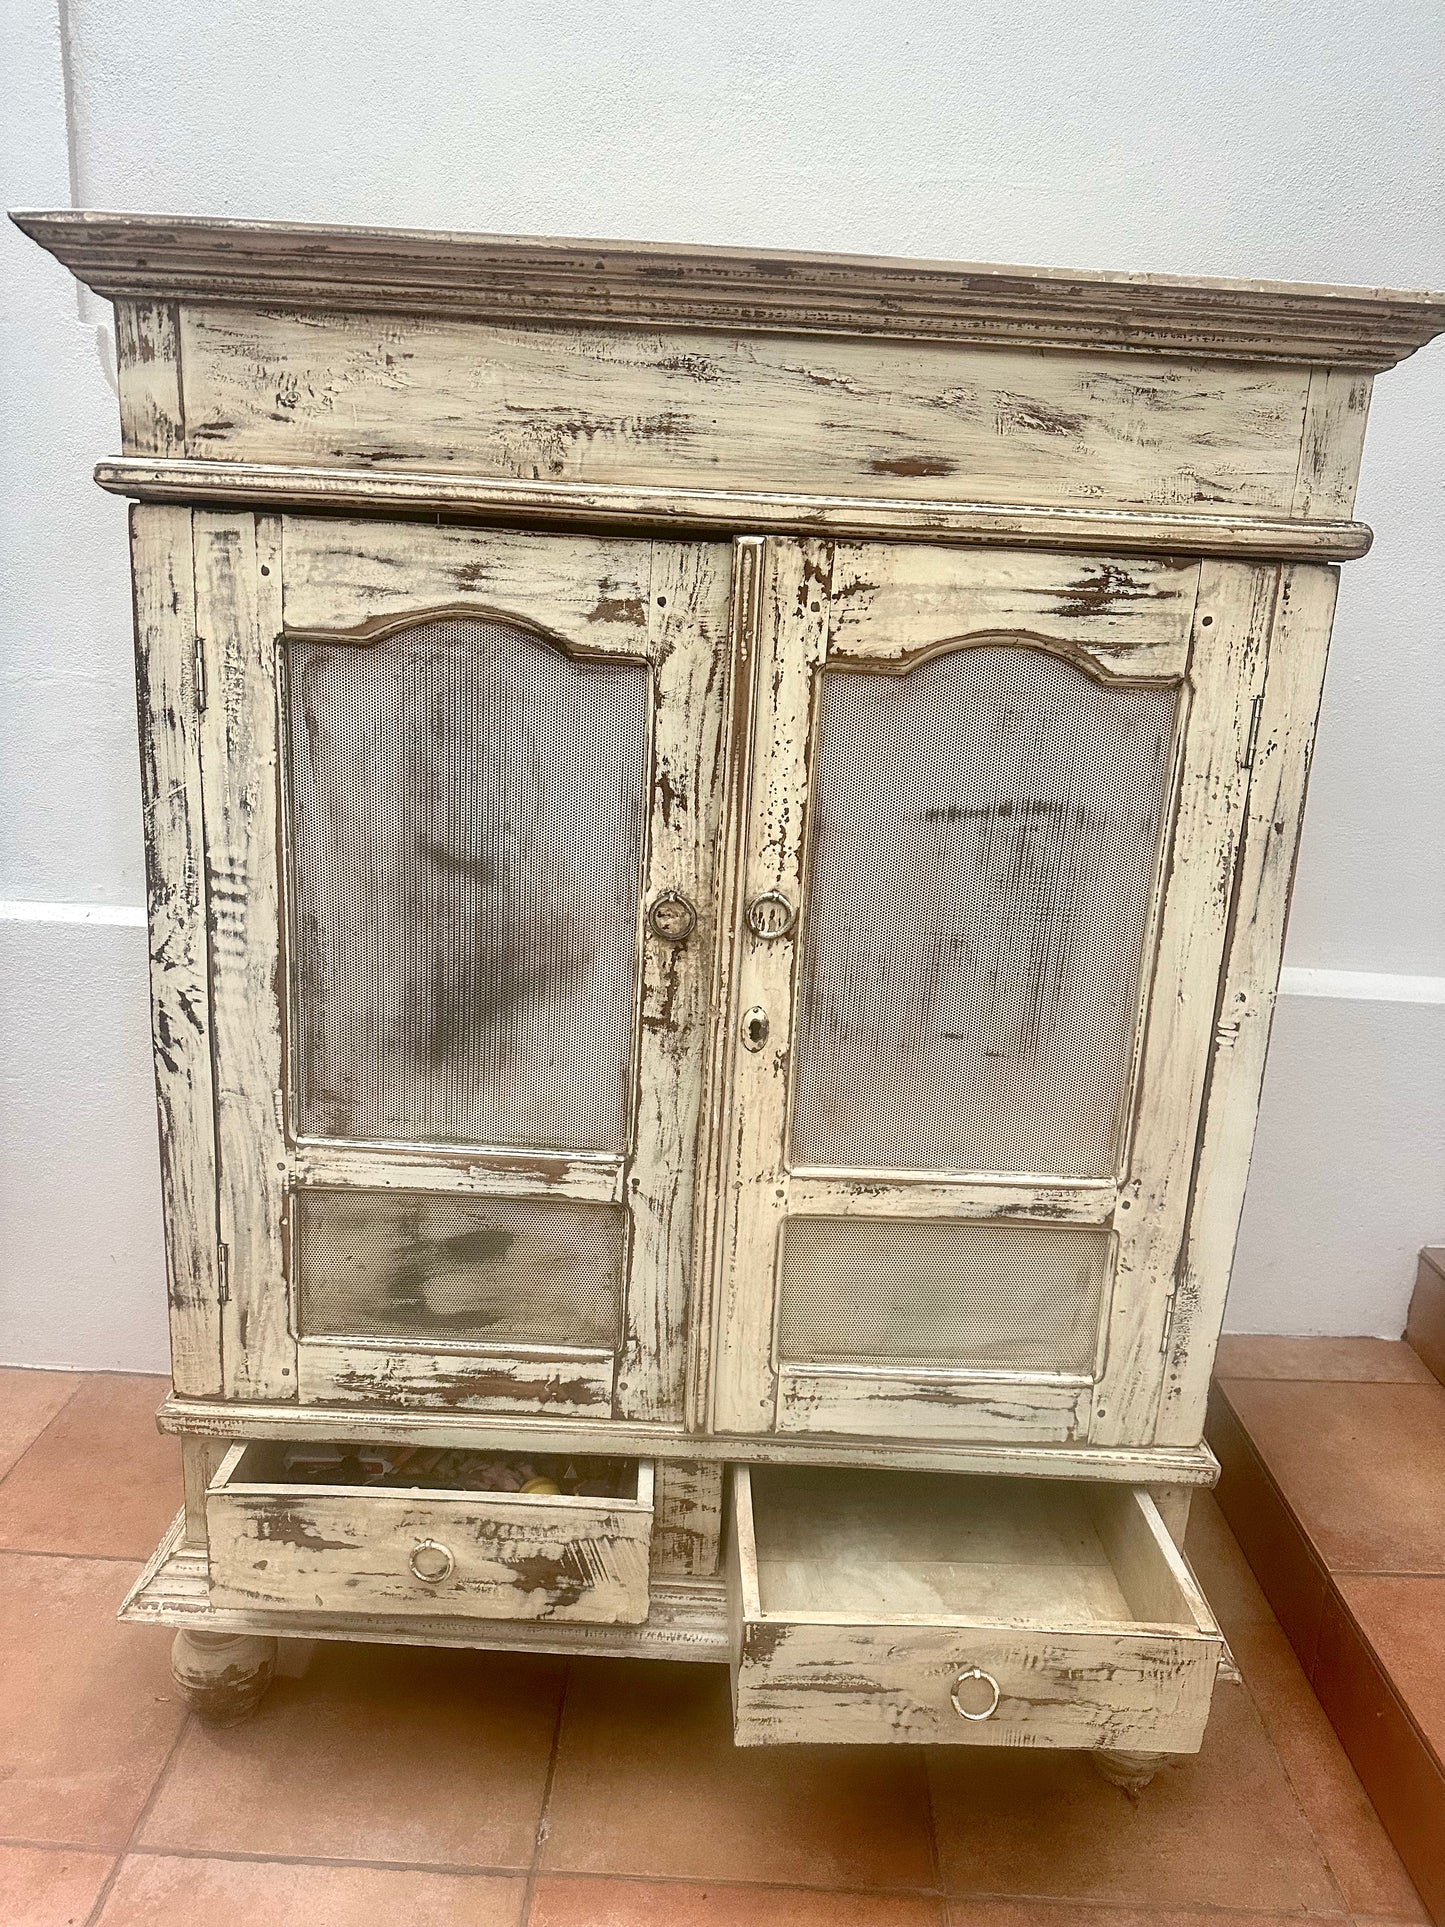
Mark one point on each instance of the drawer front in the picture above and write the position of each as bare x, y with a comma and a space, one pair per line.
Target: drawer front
879, 1684
896, 1608
490, 1555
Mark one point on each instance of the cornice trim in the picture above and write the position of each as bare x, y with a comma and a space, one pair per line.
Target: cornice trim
652, 285
729, 511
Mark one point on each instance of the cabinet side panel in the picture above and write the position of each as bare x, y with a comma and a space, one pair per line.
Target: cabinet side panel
1333, 442
169, 705
148, 376
1283, 746
1227, 672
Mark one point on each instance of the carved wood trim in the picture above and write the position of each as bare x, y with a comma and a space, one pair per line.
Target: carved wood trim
376, 629
1098, 662
699, 511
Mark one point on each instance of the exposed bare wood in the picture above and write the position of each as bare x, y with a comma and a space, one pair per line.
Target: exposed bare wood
687, 1530
169, 702
702, 511
654, 283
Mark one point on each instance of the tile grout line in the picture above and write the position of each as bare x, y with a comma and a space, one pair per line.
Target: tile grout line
81, 1379
1312, 1833
132, 1559
539, 1838
935, 1856
1295, 1794
1102, 1904
132, 1838
1330, 1591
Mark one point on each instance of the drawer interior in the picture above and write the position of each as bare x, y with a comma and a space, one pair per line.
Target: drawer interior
878, 1546
440, 1472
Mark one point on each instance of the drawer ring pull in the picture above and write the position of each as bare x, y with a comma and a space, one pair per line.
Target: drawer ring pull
431, 1561
975, 1672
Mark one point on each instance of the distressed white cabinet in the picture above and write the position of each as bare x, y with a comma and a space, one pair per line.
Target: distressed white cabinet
719, 835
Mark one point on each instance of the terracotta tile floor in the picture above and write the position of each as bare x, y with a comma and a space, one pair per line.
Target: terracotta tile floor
385, 1785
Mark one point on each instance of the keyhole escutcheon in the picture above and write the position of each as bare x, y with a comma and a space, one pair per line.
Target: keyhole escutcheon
755, 1028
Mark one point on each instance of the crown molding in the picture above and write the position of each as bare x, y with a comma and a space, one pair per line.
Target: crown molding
652, 285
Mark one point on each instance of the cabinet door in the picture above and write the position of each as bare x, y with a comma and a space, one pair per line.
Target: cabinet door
984, 855
461, 809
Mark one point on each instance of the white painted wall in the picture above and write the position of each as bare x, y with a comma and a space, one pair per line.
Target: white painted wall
1301, 139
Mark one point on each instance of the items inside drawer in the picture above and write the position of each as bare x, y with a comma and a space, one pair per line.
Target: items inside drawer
873, 1545
434, 1469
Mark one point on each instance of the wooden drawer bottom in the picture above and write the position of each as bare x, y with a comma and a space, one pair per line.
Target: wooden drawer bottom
357, 1548
917, 1607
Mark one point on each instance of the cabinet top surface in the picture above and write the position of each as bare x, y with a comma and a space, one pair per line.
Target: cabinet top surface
654, 284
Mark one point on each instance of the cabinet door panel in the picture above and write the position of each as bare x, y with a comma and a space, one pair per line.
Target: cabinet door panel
991, 821
467, 817
474, 762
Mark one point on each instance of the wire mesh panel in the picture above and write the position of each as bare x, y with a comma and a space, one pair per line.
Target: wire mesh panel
871, 1291
983, 843
428, 1265
466, 822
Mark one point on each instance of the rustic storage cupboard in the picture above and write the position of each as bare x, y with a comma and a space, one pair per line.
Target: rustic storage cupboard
719, 832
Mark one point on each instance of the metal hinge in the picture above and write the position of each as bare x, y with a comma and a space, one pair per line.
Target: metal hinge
200, 666
1254, 713
223, 1273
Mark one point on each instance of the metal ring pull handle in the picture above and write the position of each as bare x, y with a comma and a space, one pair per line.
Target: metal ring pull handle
672, 918
975, 1672
770, 916
432, 1562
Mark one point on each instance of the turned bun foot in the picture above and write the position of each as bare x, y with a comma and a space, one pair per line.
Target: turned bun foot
1131, 1771
222, 1676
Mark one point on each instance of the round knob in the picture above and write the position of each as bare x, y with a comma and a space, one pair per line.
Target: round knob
770, 915
432, 1562
672, 918
984, 1697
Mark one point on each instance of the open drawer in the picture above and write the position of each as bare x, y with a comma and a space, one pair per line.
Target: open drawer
346, 1538
922, 1607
